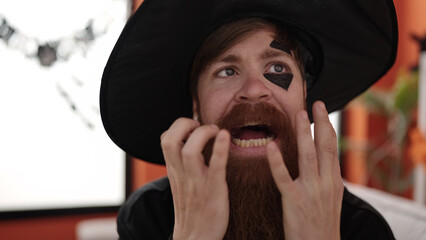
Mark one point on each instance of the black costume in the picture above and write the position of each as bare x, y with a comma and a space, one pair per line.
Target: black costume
148, 215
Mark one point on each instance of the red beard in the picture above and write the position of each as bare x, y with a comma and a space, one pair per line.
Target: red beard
255, 202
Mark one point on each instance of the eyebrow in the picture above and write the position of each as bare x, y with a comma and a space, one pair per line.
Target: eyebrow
230, 59
265, 55
269, 53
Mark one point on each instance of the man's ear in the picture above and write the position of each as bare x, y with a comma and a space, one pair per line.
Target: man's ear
195, 109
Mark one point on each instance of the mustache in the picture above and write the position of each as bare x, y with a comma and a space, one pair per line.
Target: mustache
278, 124
261, 114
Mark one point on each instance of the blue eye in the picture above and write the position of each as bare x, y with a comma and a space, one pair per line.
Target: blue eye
227, 72
276, 68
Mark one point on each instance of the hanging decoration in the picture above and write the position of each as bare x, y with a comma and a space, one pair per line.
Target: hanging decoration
47, 53
75, 89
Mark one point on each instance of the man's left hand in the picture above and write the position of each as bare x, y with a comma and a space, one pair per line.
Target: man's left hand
312, 202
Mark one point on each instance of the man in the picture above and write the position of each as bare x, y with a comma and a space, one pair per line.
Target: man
244, 165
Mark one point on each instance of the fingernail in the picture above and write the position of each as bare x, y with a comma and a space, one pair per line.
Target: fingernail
214, 126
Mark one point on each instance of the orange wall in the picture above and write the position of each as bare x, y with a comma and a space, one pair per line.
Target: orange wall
358, 125
144, 172
411, 20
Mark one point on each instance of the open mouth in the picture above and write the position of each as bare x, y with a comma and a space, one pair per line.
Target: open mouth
252, 135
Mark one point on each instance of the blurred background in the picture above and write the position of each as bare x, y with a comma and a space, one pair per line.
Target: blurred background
62, 178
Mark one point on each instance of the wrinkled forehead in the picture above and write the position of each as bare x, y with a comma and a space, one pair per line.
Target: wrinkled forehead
250, 41
237, 39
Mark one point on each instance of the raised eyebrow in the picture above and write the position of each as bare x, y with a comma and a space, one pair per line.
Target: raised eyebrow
229, 59
269, 53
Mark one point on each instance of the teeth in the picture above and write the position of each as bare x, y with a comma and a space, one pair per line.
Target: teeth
251, 142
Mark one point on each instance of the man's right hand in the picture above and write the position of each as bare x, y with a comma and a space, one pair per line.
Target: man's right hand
200, 192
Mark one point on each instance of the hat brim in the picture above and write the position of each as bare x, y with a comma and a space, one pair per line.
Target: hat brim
145, 84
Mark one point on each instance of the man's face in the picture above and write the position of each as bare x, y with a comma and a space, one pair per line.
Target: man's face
253, 71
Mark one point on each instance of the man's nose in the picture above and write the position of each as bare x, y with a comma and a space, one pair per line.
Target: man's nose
253, 89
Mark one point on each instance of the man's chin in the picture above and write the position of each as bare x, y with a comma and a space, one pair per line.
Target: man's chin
245, 170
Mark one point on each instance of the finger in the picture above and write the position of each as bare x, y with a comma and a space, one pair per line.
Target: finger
162, 135
325, 140
219, 158
308, 165
175, 185
173, 139
192, 156
279, 170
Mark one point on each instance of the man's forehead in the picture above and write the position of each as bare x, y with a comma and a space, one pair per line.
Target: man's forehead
266, 51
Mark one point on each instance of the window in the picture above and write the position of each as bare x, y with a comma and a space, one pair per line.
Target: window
54, 152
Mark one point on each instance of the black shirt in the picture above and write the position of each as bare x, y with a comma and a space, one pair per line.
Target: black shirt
148, 214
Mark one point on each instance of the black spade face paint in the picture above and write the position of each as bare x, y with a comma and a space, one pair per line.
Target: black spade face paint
279, 46
282, 80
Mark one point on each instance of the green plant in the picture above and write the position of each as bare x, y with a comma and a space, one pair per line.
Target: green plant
385, 160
